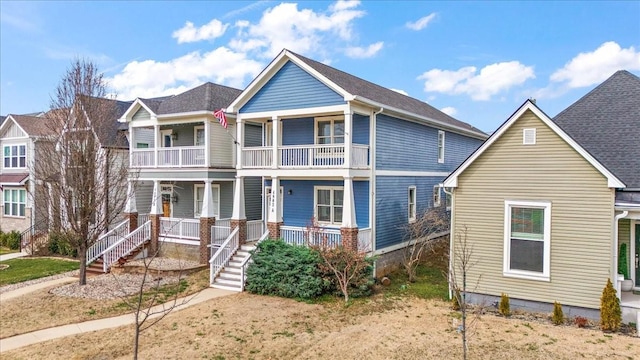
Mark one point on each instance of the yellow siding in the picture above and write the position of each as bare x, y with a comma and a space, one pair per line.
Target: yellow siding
581, 210
624, 237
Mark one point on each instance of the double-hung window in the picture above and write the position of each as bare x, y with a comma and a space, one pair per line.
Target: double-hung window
14, 156
329, 130
328, 204
198, 136
411, 202
527, 243
15, 201
199, 200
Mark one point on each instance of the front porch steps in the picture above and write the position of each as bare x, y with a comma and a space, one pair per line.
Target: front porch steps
96, 267
230, 277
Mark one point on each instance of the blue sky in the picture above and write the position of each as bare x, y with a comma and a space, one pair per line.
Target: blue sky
475, 60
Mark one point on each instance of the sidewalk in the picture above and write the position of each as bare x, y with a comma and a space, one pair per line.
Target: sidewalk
31, 288
12, 256
31, 338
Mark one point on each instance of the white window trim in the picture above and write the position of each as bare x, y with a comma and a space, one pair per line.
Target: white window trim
437, 196
531, 131
195, 135
522, 274
332, 223
162, 135
441, 148
10, 156
214, 187
4, 197
332, 119
411, 203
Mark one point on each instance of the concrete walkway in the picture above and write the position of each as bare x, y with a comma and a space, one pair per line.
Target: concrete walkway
57, 332
12, 256
31, 288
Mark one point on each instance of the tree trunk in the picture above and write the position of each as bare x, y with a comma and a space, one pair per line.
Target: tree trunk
136, 338
82, 256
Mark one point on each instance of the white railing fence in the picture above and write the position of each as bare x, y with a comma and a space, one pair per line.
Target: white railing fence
142, 218
305, 156
223, 254
364, 240
255, 228
257, 157
246, 260
142, 158
223, 222
180, 156
300, 236
105, 241
126, 245
360, 156
180, 228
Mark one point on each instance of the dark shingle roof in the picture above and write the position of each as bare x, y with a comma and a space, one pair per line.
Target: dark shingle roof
359, 87
606, 123
154, 103
33, 125
207, 96
111, 135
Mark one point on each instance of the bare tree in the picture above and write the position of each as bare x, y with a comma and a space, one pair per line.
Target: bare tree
85, 168
421, 236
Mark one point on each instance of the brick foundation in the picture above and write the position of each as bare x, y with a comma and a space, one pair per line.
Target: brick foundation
205, 238
155, 233
274, 230
242, 233
349, 238
133, 220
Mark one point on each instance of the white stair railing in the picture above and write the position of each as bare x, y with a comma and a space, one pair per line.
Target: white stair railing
105, 241
245, 262
225, 252
126, 245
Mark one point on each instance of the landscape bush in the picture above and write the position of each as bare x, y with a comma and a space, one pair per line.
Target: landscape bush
558, 316
346, 270
60, 244
504, 308
610, 312
285, 270
10, 240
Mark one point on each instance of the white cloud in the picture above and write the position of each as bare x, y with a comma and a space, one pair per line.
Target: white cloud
344, 5
364, 52
189, 33
491, 80
151, 78
449, 110
421, 23
400, 91
589, 68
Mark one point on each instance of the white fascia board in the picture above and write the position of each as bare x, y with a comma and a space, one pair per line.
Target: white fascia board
612, 181
137, 104
410, 115
411, 173
295, 112
191, 114
4, 126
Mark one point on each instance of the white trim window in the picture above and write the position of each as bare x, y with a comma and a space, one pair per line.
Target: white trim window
328, 202
527, 239
198, 136
440, 147
329, 130
198, 196
15, 156
15, 202
411, 203
437, 198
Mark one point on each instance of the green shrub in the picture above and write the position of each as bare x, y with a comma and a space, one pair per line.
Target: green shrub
504, 308
623, 267
285, 270
12, 240
60, 243
610, 312
455, 301
558, 316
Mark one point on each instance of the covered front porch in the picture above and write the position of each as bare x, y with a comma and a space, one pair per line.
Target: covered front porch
628, 253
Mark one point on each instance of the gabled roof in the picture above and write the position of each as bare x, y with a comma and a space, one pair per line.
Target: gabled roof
606, 123
34, 126
112, 135
355, 88
612, 180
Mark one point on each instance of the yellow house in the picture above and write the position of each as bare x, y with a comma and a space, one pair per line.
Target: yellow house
546, 204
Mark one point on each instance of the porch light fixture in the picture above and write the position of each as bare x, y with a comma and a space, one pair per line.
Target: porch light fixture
290, 192
174, 199
174, 136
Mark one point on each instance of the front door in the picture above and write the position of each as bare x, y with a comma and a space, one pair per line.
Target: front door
637, 255
166, 205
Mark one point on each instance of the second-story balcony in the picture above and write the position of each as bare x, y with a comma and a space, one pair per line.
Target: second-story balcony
183, 156
305, 157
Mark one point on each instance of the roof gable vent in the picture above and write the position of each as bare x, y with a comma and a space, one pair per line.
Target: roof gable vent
529, 136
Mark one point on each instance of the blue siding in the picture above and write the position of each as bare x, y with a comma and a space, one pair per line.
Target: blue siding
292, 88
298, 207
392, 205
360, 129
394, 135
297, 131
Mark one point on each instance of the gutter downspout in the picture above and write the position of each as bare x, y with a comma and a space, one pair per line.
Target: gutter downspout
372, 182
616, 219
450, 240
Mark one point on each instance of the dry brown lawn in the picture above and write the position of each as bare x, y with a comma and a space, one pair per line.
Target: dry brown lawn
246, 326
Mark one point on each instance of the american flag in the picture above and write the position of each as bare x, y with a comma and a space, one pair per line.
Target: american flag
221, 117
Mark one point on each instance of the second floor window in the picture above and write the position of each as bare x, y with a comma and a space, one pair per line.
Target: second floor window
198, 136
440, 146
15, 156
329, 131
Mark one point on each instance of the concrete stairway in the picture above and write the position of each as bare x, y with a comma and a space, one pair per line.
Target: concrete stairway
230, 277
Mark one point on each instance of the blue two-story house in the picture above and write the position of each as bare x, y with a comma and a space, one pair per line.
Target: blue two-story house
358, 160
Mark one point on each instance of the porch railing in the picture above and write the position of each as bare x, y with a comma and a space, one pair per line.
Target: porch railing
126, 245
105, 241
255, 229
142, 218
305, 156
180, 156
300, 236
223, 254
180, 228
223, 222
364, 240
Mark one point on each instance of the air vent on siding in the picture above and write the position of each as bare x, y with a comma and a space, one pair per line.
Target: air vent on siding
529, 136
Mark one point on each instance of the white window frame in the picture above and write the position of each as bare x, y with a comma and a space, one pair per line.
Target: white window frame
332, 136
8, 205
163, 133
335, 222
412, 208
195, 135
440, 147
546, 265
17, 156
196, 211
531, 140
437, 196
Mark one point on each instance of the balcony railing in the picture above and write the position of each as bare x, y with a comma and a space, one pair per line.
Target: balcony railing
305, 156
182, 156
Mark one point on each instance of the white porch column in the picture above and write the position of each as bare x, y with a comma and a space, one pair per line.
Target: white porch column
238, 200
239, 141
275, 215
348, 132
131, 206
348, 205
156, 130
207, 202
275, 141
156, 200
207, 145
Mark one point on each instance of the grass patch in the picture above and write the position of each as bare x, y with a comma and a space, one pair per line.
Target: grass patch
22, 269
430, 284
6, 250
